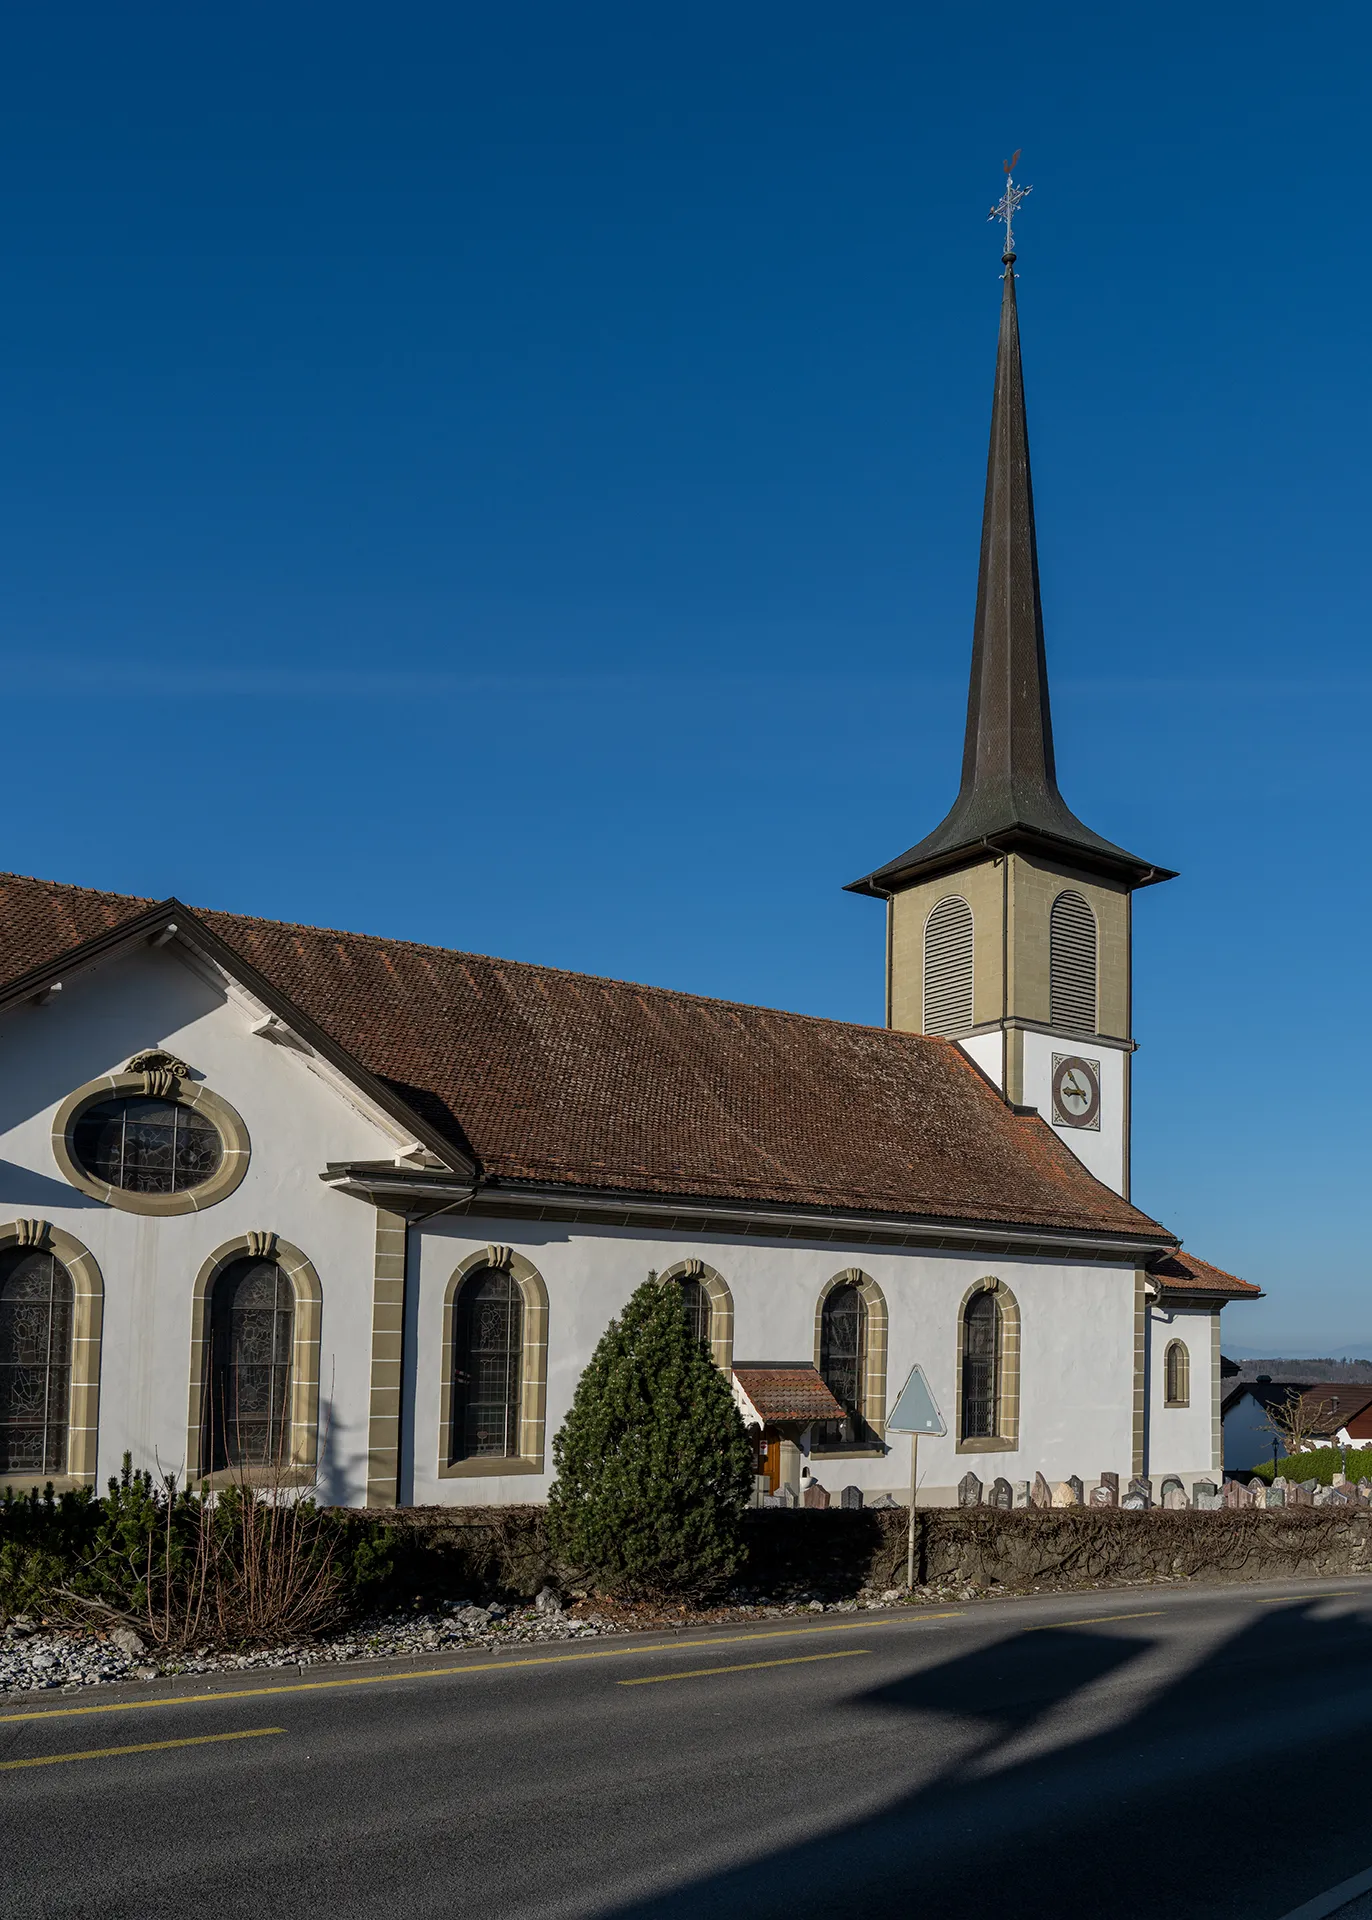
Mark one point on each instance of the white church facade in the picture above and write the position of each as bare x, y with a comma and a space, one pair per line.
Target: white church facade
280, 1197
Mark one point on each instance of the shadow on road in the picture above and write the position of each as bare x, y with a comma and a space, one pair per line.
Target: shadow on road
1229, 1792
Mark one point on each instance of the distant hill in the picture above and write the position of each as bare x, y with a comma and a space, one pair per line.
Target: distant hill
1301, 1371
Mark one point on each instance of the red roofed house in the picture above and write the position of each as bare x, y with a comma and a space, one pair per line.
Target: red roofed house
274, 1192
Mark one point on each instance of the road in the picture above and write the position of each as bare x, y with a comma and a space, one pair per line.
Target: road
1162, 1752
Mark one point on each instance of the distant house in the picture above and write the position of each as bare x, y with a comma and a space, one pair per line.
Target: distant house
1342, 1411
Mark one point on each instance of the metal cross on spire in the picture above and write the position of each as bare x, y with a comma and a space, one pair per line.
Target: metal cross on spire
1008, 205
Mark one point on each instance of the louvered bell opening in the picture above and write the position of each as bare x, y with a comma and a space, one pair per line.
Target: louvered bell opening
948, 968
1072, 964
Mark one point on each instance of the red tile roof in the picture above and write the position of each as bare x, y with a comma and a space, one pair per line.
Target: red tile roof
1182, 1272
787, 1391
554, 1077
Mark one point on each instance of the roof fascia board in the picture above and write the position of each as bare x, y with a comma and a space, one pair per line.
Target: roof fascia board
394, 1186
193, 933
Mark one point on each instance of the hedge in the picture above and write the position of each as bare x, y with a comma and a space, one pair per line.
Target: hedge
1321, 1464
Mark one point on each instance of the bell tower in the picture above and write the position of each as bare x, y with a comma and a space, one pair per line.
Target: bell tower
1009, 926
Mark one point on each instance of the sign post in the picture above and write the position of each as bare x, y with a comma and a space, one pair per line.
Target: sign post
915, 1412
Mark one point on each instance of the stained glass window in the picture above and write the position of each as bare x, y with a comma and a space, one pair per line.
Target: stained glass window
488, 1342
36, 1302
842, 1359
252, 1330
147, 1146
980, 1367
696, 1300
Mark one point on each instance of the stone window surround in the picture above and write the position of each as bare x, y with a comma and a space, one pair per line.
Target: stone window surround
533, 1370
301, 1466
1182, 1399
88, 1315
874, 1342
165, 1085
1006, 1437
721, 1307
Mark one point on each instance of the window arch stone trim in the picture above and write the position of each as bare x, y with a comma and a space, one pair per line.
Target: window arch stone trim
721, 1306
1182, 1396
88, 1321
533, 1369
1006, 1437
875, 1340
303, 1461
165, 1084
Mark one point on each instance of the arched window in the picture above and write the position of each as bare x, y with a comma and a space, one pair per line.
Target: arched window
488, 1344
948, 967
1072, 964
1177, 1372
842, 1364
248, 1401
36, 1306
699, 1307
980, 1367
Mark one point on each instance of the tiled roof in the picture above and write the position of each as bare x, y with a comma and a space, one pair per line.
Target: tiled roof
787, 1391
1182, 1272
553, 1077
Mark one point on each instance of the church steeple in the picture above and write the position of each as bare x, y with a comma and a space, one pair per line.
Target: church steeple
1009, 793
1009, 927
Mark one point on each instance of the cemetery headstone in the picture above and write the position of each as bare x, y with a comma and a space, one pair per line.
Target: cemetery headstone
1078, 1491
1233, 1494
1111, 1480
1041, 1494
1205, 1496
851, 1497
969, 1491
1022, 1491
1174, 1497
1169, 1482
1135, 1502
1105, 1496
1002, 1494
1144, 1488
815, 1496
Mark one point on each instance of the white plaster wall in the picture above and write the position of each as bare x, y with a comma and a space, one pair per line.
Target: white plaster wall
295, 1124
1076, 1373
1180, 1439
1102, 1151
988, 1050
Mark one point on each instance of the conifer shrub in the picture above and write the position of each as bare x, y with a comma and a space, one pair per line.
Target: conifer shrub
1320, 1463
654, 1465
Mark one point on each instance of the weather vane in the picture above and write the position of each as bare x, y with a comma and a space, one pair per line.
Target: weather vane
1008, 205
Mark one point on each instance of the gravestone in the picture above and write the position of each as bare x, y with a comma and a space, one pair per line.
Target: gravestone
1144, 1487
1233, 1494
1135, 1502
1040, 1494
1301, 1494
815, 1496
1002, 1494
1205, 1496
1111, 1480
969, 1491
1022, 1492
851, 1497
1174, 1496
1257, 1494
1106, 1496
884, 1502
1170, 1482
1276, 1495
786, 1497
1078, 1490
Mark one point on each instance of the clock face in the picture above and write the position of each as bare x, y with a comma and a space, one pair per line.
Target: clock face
1076, 1091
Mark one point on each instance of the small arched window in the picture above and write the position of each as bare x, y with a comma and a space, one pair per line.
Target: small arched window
699, 1307
147, 1145
948, 967
1177, 1374
1072, 964
488, 1345
842, 1363
36, 1307
981, 1353
252, 1333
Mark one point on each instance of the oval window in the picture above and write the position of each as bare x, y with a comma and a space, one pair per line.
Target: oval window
147, 1146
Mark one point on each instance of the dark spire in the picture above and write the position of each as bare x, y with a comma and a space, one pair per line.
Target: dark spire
1009, 793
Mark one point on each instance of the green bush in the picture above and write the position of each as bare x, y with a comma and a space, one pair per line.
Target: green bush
654, 1466
242, 1566
1321, 1464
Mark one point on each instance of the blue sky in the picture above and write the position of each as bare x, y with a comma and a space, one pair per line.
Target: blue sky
510, 477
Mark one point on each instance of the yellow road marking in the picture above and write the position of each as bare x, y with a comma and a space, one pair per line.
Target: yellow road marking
1291, 1599
147, 1746
483, 1666
1093, 1620
747, 1666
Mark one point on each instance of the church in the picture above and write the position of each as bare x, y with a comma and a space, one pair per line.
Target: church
282, 1201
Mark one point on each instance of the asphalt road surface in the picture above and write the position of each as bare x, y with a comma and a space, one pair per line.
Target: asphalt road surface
1161, 1752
